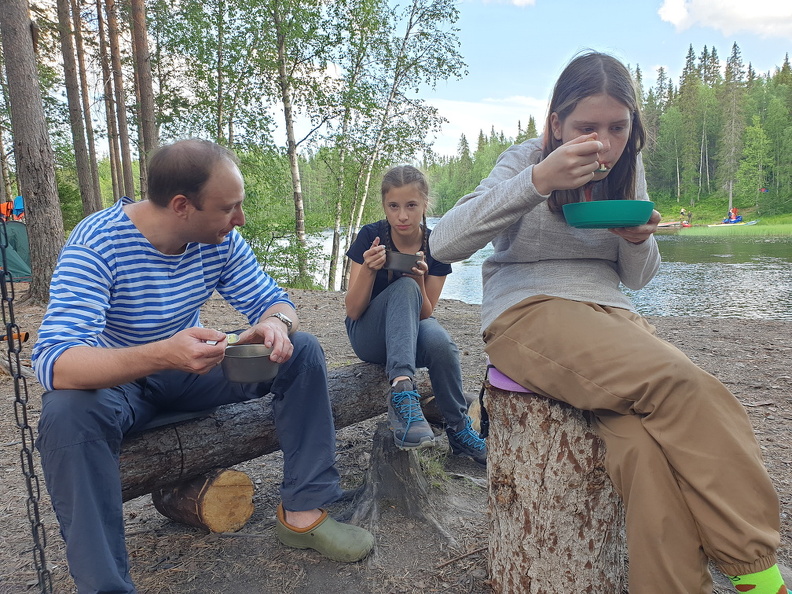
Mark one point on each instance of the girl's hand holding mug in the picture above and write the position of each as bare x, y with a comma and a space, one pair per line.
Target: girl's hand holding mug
420, 269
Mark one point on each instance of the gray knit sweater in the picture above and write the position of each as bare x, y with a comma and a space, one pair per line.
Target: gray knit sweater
536, 252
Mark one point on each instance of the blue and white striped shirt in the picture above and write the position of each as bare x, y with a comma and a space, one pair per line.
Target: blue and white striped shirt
112, 288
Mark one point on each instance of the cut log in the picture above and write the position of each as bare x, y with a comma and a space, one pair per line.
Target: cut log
168, 455
220, 501
556, 521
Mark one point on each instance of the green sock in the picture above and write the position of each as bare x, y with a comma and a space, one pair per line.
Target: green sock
768, 581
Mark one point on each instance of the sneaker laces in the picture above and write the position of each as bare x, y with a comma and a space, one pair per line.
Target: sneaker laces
468, 437
408, 406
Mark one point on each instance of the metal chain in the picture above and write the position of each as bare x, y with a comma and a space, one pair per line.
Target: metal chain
13, 336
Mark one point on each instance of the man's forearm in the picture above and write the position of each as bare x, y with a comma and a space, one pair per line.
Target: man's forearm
90, 368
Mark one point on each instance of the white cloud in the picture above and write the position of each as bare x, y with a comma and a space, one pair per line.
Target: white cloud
765, 18
470, 118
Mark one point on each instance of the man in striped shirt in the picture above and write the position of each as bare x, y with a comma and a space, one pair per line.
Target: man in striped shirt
121, 341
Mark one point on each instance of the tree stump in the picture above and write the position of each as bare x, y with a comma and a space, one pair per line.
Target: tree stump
556, 521
219, 501
394, 480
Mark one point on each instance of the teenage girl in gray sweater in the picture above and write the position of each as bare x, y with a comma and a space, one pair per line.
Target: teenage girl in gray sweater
680, 447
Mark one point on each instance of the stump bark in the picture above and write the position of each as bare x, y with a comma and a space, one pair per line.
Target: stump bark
556, 521
220, 501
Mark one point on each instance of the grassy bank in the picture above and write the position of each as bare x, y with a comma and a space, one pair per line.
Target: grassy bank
758, 230
708, 210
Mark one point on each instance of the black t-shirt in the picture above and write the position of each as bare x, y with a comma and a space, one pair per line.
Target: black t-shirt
363, 242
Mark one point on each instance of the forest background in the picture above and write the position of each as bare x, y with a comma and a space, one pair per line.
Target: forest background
116, 79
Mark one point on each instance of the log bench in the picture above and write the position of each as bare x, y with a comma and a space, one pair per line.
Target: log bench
556, 521
182, 458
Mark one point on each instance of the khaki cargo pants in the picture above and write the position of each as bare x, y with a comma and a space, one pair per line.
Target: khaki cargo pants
680, 447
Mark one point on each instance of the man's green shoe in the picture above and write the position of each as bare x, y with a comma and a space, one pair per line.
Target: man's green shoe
334, 540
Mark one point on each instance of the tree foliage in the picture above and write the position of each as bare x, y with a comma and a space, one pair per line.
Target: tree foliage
319, 98
722, 132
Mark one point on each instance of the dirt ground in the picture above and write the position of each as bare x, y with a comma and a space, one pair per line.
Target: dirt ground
752, 358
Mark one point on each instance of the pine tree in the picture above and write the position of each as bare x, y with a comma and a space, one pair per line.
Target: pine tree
733, 94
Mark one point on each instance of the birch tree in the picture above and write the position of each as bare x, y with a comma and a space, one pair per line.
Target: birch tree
755, 159
356, 95
419, 49
209, 73
300, 58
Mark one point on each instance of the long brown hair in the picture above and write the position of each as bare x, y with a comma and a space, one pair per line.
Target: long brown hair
589, 74
398, 177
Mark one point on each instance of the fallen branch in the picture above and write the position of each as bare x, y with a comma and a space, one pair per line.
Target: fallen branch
458, 557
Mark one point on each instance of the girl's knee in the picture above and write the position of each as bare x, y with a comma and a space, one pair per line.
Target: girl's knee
407, 287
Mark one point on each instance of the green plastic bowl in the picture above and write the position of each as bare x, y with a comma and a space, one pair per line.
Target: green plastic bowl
608, 214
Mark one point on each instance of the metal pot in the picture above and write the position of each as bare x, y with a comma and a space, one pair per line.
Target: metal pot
249, 364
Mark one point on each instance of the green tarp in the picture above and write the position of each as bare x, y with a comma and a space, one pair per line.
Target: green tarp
16, 250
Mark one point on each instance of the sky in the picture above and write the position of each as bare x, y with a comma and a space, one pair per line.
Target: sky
515, 50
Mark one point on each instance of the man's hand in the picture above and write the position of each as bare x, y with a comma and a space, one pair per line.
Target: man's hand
191, 350
271, 332
93, 367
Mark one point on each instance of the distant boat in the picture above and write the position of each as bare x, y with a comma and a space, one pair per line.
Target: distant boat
734, 224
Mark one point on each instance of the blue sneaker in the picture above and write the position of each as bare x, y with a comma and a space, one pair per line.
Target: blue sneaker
410, 429
467, 442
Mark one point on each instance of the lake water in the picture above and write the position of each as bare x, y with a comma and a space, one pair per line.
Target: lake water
748, 278
729, 277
